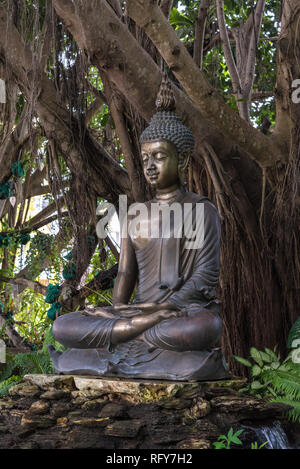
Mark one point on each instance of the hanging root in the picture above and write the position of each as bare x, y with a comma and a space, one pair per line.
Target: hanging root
253, 308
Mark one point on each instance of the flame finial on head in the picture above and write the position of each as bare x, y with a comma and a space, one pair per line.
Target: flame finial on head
166, 124
165, 100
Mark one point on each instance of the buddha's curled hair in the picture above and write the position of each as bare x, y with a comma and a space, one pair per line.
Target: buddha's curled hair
166, 124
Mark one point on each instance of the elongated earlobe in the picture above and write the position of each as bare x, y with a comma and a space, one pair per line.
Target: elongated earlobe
183, 164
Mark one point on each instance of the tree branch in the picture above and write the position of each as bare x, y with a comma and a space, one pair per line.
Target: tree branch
263, 149
235, 78
25, 283
102, 281
288, 70
243, 70
93, 109
128, 66
16, 139
106, 176
166, 7
200, 32
116, 108
251, 59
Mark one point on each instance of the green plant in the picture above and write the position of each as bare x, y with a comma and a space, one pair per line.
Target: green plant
224, 441
6, 384
31, 321
49, 340
28, 363
3, 328
41, 247
97, 264
273, 378
254, 445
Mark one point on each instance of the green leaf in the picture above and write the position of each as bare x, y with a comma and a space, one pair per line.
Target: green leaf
256, 371
236, 440
178, 20
243, 361
263, 444
275, 366
255, 354
266, 357
271, 354
256, 385
218, 445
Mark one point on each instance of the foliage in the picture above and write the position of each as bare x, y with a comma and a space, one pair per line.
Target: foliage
31, 321
13, 239
294, 413
28, 363
102, 259
3, 328
41, 246
6, 384
49, 340
254, 445
33, 362
183, 20
280, 381
178, 20
224, 441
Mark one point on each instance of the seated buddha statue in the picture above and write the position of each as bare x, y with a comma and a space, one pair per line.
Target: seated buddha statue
172, 329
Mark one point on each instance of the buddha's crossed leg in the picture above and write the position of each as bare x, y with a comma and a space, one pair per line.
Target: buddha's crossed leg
199, 329
104, 329
194, 329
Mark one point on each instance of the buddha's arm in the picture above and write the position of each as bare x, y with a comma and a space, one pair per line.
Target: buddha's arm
129, 329
201, 284
127, 273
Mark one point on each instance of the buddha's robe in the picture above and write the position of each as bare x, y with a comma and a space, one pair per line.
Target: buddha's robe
177, 348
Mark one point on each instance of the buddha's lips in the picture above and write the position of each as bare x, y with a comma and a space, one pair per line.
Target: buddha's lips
153, 175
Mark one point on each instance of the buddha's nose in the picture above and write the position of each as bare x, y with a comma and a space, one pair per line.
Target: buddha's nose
150, 166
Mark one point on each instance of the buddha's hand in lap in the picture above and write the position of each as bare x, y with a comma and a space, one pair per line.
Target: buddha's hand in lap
145, 308
171, 312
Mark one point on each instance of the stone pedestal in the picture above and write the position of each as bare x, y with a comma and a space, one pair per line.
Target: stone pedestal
59, 411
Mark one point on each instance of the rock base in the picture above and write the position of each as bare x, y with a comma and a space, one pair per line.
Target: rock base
59, 411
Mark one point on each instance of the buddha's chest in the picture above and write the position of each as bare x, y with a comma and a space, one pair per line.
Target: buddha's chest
155, 223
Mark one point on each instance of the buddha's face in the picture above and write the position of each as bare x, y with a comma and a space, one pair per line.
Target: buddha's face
160, 162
